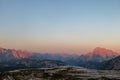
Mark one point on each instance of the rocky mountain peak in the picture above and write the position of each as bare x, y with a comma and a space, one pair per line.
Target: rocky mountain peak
102, 52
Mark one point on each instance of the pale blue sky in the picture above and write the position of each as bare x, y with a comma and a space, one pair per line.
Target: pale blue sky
59, 25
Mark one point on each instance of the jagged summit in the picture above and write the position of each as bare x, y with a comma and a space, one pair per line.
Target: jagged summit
14, 53
102, 52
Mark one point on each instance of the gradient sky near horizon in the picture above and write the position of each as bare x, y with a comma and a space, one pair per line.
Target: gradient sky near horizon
71, 26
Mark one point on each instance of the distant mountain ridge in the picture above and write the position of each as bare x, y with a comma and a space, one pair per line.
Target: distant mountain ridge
95, 58
113, 64
98, 51
92, 60
15, 53
11, 59
102, 52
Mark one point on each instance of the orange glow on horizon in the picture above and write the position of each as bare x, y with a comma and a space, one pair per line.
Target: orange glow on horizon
66, 48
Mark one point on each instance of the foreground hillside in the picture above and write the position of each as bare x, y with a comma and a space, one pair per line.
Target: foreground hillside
60, 73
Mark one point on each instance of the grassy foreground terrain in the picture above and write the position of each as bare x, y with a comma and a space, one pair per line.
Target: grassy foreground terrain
60, 73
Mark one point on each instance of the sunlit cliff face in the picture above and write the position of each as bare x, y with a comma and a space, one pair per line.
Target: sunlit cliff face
102, 52
16, 53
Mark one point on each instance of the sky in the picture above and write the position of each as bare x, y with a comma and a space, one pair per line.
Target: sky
66, 26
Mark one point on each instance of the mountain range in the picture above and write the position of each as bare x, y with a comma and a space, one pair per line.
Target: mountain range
96, 59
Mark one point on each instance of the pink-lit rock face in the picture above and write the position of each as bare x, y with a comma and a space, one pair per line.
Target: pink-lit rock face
15, 53
2, 50
20, 54
102, 52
